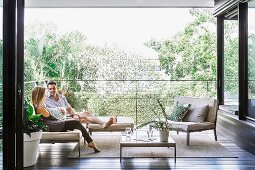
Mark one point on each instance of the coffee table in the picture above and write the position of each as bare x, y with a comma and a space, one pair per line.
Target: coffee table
137, 142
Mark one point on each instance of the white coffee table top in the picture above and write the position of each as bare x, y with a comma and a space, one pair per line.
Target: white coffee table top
139, 139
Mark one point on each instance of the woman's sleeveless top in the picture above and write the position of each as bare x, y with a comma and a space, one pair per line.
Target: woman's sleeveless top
54, 124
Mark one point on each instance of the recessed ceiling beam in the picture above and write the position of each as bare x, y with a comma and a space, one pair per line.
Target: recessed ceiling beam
118, 3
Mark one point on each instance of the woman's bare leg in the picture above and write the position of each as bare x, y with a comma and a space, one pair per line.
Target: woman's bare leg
93, 119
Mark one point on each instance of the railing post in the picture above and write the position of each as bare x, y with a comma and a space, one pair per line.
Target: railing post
207, 89
136, 116
36, 83
45, 83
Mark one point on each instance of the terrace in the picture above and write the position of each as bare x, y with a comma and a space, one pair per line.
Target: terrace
133, 93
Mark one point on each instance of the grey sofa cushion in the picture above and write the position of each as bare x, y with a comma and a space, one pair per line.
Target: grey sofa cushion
196, 113
122, 123
61, 136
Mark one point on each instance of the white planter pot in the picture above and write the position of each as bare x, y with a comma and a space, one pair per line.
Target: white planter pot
163, 136
31, 146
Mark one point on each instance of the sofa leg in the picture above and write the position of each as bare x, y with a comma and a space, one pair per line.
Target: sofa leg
215, 134
150, 127
79, 148
188, 137
177, 131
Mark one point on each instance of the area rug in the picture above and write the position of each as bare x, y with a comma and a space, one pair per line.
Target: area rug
200, 146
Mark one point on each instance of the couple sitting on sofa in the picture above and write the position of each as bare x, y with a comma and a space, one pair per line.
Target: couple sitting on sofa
51, 105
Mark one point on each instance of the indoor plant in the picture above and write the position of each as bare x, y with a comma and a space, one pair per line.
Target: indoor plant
32, 128
161, 123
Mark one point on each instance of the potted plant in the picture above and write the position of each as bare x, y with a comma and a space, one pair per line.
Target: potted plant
32, 128
161, 123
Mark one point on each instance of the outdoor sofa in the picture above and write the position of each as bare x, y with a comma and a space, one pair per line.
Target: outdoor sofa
62, 137
75, 135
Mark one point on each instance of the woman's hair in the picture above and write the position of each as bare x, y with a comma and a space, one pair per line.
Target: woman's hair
37, 95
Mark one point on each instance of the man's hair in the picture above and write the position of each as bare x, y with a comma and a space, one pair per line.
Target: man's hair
51, 83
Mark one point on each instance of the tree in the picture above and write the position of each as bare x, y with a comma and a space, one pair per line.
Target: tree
191, 53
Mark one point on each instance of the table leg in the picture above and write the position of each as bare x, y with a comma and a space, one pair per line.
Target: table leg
120, 152
175, 154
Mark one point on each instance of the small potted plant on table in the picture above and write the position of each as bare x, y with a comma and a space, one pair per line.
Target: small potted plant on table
160, 124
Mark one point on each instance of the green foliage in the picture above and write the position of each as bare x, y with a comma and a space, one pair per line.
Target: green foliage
191, 53
52, 56
161, 123
77, 100
32, 122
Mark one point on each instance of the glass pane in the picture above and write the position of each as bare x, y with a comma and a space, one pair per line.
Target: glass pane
231, 62
251, 60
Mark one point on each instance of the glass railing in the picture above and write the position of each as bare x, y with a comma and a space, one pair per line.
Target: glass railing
133, 98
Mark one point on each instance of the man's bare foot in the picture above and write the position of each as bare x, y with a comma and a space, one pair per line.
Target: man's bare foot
114, 120
93, 146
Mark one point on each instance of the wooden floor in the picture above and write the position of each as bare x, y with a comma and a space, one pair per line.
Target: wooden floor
54, 156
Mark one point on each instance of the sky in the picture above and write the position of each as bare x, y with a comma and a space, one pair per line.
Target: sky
132, 26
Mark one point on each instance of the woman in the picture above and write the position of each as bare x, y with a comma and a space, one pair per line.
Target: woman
54, 124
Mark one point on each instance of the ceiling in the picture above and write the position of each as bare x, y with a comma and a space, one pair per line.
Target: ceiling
117, 3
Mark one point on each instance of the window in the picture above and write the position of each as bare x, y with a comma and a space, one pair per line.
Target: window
231, 60
251, 60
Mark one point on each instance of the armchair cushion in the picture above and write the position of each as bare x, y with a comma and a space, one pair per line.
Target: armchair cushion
196, 113
192, 126
178, 112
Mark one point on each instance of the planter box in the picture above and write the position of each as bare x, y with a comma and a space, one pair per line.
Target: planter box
31, 146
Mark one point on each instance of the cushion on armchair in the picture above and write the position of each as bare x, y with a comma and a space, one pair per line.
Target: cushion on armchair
196, 113
178, 112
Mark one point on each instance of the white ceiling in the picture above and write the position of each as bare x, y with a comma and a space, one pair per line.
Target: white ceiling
117, 3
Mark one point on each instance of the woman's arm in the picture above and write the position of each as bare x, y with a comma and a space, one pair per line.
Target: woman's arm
43, 111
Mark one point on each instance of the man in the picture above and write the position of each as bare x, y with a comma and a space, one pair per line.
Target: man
56, 100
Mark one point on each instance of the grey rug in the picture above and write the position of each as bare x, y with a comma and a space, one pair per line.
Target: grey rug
200, 146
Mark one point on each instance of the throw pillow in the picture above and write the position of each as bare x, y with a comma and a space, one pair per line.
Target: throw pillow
196, 114
178, 112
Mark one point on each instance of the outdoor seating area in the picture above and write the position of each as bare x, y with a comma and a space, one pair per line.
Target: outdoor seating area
201, 116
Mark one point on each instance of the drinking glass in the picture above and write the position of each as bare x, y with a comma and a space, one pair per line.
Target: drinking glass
150, 134
128, 133
63, 111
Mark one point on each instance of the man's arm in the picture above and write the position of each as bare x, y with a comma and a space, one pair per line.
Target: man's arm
72, 113
70, 110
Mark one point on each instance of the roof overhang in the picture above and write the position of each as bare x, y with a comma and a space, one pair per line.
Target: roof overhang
119, 3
